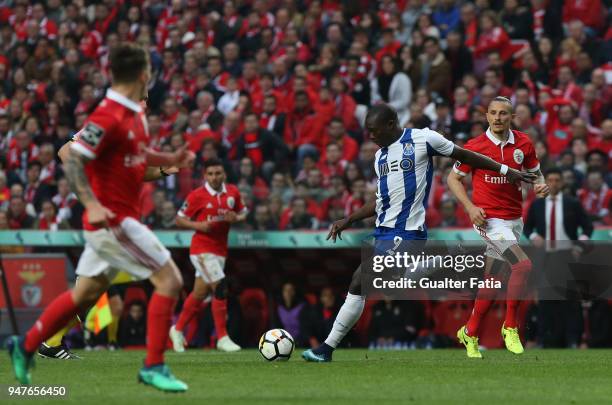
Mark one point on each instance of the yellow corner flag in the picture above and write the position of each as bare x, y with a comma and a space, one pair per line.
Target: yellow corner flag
99, 317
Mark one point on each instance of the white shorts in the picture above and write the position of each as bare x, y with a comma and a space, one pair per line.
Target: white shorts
500, 234
130, 247
209, 266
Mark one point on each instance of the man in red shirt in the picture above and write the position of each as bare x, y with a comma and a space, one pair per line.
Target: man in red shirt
209, 211
106, 168
496, 214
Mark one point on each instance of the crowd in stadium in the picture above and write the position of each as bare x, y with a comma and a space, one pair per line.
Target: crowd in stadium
279, 90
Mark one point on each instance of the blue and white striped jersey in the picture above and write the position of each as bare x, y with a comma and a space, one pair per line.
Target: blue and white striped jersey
405, 172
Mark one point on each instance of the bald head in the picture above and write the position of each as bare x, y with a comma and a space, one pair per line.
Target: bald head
381, 114
383, 124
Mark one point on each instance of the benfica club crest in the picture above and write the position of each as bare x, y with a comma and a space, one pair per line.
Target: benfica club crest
31, 293
231, 202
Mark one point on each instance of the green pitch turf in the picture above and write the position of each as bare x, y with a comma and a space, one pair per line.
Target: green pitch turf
355, 376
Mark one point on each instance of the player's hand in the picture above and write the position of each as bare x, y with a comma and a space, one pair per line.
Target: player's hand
203, 226
98, 215
541, 190
515, 176
231, 217
337, 228
183, 157
478, 216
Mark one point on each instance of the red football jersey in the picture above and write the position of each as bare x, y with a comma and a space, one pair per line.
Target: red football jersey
207, 204
491, 190
114, 137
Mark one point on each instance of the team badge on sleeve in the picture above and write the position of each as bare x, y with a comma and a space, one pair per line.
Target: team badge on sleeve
91, 135
519, 156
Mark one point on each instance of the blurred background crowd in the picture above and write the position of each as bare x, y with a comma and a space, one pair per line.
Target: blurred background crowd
279, 91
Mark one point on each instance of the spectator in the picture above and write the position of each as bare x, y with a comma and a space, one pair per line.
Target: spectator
458, 56
18, 218
517, 20
49, 220
133, 327
4, 190
290, 312
392, 87
36, 191
321, 318
247, 174
595, 196
264, 148
395, 324
261, 219
155, 217
298, 218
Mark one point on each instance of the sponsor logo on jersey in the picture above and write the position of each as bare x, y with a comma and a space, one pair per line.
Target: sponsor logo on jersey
91, 134
519, 156
495, 179
395, 166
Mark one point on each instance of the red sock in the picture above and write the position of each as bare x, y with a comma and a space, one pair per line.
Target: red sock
516, 284
483, 301
481, 306
159, 320
219, 313
190, 308
55, 316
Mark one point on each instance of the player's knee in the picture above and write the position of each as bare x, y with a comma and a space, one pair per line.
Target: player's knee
355, 286
221, 289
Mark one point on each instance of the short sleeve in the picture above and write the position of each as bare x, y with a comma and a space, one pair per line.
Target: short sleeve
531, 163
189, 207
240, 206
438, 144
97, 133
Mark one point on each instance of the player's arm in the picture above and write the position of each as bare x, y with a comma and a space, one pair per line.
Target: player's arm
182, 157
455, 185
74, 168
478, 161
157, 172
367, 211
184, 222
189, 210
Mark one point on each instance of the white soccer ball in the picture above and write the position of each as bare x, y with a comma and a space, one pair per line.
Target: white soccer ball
276, 345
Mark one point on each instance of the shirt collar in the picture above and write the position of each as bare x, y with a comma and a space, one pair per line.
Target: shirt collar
123, 100
214, 192
496, 141
557, 198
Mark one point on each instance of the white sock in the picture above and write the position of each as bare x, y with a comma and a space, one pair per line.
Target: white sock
347, 317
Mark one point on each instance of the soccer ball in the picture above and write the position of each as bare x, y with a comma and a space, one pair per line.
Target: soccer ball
276, 345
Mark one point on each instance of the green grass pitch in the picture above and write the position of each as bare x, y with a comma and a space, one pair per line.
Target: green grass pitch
355, 376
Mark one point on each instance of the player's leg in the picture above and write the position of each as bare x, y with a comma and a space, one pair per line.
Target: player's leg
347, 317
168, 282
53, 348
191, 307
468, 334
520, 266
219, 313
57, 314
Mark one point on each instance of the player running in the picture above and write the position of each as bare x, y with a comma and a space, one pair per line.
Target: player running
404, 167
54, 348
106, 169
209, 210
496, 214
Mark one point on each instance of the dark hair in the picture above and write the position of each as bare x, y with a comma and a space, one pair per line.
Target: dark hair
336, 119
34, 163
431, 39
553, 170
127, 62
212, 162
